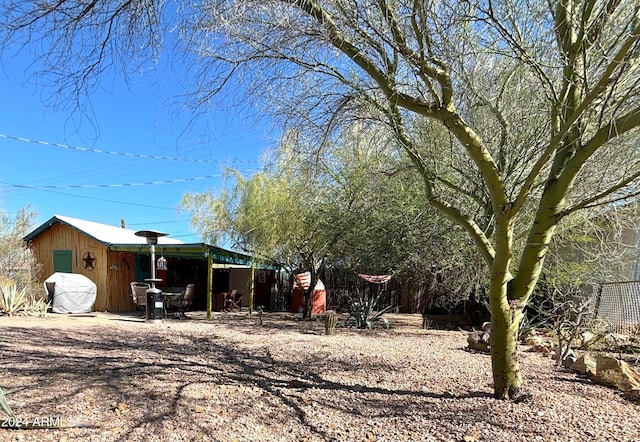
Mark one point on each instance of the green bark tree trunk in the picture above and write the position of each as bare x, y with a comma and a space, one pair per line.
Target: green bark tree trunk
505, 315
510, 296
505, 321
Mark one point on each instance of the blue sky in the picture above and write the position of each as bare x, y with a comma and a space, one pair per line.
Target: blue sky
137, 119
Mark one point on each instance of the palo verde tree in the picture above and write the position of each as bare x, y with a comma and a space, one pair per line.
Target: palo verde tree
557, 82
537, 102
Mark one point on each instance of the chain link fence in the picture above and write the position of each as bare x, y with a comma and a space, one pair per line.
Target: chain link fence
618, 303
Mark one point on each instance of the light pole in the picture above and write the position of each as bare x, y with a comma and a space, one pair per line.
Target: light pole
155, 305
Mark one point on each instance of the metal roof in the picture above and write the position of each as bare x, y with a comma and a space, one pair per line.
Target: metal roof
103, 233
119, 239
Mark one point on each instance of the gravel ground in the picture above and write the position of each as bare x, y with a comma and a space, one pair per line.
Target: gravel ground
230, 379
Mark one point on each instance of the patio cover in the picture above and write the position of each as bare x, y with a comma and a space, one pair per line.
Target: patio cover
73, 293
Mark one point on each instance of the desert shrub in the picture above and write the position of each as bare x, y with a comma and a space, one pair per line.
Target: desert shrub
575, 319
17, 262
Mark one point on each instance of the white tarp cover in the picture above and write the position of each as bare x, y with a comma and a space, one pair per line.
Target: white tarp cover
74, 293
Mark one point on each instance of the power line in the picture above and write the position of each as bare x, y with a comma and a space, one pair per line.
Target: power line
124, 154
159, 222
185, 235
90, 198
95, 186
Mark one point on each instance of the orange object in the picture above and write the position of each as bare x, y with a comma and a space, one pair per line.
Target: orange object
319, 302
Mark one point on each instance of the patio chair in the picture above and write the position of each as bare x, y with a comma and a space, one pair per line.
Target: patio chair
139, 295
235, 301
184, 301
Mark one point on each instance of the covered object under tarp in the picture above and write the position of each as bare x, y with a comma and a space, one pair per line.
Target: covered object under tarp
72, 292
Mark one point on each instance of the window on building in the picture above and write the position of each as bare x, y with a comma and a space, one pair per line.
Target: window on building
62, 261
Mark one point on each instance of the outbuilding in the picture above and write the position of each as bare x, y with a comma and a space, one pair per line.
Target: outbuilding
112, 257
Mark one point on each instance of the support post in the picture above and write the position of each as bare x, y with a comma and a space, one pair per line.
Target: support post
209, 284
252, 275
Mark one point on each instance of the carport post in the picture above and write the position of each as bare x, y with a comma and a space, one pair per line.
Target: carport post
209, 284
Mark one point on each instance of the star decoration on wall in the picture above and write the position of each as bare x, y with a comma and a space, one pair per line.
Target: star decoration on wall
89, 260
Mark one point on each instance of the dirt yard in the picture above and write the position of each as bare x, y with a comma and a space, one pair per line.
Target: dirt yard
116, 378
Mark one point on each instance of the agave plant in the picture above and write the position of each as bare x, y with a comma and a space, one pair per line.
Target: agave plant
4, 404
362, 310
12, 300
37, 307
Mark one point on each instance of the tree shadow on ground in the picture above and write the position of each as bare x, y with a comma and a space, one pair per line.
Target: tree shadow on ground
131, 365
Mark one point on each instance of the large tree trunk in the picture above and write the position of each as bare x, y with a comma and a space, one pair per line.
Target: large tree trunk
510, 296
505, 321
505, 316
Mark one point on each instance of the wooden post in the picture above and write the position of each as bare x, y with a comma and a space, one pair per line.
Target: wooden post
209, 284
252, 275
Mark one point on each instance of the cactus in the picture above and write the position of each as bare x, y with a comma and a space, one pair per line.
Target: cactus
330, 322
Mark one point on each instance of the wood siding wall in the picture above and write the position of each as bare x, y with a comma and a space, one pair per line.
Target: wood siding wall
120, 272
112, 271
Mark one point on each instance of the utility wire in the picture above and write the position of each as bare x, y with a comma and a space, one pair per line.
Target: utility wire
159, 222
185, 235
174, 209
95, 186
124, 154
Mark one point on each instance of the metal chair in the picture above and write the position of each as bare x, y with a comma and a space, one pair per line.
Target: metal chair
139, 295
184, 301
235, 300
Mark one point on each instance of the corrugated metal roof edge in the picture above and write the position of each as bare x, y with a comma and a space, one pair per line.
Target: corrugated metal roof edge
59, 219
235, 256
50, 223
